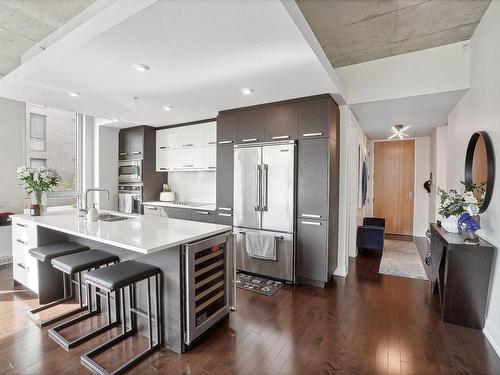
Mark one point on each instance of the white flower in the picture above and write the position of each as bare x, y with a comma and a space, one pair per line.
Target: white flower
469, 198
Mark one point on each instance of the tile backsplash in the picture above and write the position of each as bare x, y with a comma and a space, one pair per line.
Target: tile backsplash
193, 186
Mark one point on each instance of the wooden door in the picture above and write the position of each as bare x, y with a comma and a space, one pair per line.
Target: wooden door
394, 185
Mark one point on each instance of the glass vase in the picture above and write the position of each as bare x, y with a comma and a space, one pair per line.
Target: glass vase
38, 203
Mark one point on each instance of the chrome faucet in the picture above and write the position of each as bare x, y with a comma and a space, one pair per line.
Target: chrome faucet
87, 196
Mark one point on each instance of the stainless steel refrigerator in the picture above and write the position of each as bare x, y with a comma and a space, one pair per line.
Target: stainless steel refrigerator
264, 201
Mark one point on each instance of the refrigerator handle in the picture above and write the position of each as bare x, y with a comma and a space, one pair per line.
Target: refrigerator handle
258, 190
264, 176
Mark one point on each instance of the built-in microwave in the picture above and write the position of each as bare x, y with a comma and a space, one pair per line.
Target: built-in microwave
130, 171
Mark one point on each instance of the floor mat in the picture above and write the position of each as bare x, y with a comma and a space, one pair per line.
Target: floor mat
257, 284
401, 258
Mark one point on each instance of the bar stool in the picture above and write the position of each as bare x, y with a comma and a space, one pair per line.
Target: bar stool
45, 254
75, 264
115, 279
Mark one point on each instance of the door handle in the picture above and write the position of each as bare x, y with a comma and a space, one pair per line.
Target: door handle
250, 140
311, 134
258, 187
264, 175
225, 142
311, 223
281, 137
311, 216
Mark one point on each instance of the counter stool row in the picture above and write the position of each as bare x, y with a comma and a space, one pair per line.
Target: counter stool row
103, 276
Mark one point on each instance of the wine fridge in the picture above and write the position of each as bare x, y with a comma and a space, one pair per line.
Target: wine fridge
210, 279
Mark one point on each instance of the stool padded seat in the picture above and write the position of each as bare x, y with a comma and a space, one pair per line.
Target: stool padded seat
83, 260
121, 274
48, 252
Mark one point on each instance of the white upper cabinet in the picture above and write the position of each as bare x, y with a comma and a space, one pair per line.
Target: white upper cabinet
209, 133
189, 147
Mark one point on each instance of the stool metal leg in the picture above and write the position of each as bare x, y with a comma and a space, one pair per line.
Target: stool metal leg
43, 323
87, 360
55, 334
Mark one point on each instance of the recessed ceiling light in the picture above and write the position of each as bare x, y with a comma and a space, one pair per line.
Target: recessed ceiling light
140, 67
167, 108
246, 90
73, 94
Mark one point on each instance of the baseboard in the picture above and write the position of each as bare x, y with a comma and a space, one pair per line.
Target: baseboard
492, 333
5, 259
340, 271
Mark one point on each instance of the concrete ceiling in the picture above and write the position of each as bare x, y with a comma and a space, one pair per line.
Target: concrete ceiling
201, 53
352, 32
24, 23
422, 113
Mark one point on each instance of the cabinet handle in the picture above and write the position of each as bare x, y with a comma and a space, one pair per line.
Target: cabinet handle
250, 140
152, 208
212, 143
281, 137
225, 209
279, 238
310, 223
123, 153
136, 153
211, 167
311, 215
163, 169
163, 147
20, 265
187, 145
311, 134
21, 225
228, 215
225, 142
202, 212
21, 242
188, 165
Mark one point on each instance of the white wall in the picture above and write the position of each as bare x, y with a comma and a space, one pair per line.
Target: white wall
12, 124
428, 71
438, 169
193, 186
421, 197
479, 109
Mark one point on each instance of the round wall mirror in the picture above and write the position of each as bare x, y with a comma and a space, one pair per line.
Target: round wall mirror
480, 167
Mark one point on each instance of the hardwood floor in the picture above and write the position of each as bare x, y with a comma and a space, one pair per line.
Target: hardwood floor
365, 324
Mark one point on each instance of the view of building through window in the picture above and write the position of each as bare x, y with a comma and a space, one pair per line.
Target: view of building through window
51, 142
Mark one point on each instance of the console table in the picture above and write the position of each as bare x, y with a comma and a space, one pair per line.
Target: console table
461, 277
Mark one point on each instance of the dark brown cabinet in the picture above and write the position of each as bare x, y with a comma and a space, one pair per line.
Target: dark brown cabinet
224, 185
131, 143
313, 178
203, 216
226, 128
312, 259
318, 118
282, 122
251, 126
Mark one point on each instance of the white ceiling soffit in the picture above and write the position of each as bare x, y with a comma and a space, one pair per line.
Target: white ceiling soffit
423, 113
201, 53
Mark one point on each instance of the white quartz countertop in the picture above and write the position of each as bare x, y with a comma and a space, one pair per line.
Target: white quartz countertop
195, 206
141, 233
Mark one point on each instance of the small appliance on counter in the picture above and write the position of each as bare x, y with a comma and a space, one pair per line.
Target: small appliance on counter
167, 195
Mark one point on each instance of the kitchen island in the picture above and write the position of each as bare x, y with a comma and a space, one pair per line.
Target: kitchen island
170, 244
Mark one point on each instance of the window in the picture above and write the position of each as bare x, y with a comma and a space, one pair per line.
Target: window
51, 141
38, 126
37, 163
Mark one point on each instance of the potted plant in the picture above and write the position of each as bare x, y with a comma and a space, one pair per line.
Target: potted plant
37, 181
454, 204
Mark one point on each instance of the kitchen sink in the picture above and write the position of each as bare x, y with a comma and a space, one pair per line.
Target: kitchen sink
111, 217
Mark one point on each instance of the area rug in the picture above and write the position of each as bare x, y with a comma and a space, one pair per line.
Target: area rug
257, 284
401, 258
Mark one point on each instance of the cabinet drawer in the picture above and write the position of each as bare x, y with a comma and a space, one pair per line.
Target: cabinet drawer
203, 216
312, 249
315, 118
251, 126
225, 217
25, 267
282, 122
178, 213
226, 128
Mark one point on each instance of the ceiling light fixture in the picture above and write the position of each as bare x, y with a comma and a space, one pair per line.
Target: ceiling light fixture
399, 131
141, 67
246, 90
73, 94
167, 108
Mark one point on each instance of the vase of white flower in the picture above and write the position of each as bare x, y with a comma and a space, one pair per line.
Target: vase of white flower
37, 181
454, 203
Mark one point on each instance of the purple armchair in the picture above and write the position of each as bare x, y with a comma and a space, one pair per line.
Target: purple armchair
371, 234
